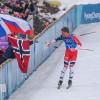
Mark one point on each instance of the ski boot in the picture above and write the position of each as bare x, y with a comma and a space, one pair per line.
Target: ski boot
69, 84
59, 84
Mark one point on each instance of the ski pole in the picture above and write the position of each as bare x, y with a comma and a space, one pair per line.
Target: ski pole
85, 34
86, 49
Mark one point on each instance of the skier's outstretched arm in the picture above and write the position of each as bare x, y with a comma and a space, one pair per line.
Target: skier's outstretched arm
53, 41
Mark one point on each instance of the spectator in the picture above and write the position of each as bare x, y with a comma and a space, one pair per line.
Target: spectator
4, 9
12, 2
33, 7
3, 43
7, 54
1, 52
39, 24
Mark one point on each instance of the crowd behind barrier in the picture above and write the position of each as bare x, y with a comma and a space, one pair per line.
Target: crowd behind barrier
26, 10
12, 77
18, 8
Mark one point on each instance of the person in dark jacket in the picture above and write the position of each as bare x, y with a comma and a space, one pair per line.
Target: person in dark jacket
8, 54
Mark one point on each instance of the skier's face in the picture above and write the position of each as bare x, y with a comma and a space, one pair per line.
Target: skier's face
65, 34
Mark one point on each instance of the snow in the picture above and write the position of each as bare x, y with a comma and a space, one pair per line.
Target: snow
42, 85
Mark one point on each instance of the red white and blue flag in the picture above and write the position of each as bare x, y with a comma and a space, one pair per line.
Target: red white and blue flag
21, 49
10, 24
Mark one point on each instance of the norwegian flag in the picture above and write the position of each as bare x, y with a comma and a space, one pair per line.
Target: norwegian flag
21, 49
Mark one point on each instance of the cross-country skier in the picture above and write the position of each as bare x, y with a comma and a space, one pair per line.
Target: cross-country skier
71, 43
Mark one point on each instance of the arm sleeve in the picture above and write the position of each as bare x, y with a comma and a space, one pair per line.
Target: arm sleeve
77, 40
31, 42
59, 38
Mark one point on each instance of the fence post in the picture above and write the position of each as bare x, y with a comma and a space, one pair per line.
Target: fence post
2, 90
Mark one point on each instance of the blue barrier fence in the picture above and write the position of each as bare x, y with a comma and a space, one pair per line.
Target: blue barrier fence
88, 13
10, 73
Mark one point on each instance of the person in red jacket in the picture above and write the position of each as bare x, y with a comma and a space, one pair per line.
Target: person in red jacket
71, 43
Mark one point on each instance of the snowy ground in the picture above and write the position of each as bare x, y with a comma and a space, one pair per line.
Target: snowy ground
42, 85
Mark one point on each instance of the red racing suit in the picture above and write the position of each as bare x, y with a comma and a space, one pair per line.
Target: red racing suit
71, 43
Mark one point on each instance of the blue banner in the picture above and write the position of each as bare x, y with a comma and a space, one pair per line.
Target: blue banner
90, 13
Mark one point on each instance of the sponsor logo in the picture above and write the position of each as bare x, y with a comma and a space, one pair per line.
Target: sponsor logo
91, 16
